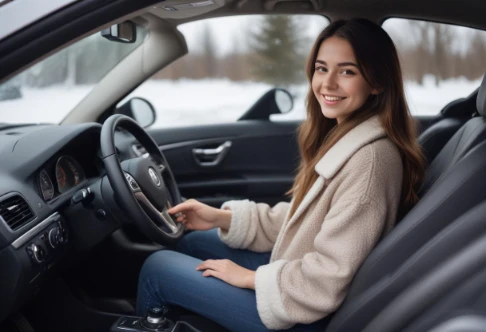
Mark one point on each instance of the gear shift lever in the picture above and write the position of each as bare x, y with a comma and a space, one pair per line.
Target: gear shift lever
155, 319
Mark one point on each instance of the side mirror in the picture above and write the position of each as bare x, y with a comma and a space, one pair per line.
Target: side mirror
140, 110
124, 32
284, 100
275, 101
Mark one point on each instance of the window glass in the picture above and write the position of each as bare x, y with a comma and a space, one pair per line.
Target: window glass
440, 62
47, 91
231, 63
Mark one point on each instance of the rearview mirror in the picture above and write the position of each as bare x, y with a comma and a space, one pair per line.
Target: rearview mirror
140, 110
124, 32
275, 101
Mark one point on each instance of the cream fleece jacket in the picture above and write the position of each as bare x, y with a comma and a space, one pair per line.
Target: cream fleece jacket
316, 252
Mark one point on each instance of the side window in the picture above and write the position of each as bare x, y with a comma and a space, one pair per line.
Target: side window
231, 63
440, 62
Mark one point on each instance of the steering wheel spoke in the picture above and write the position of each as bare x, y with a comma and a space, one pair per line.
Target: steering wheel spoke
169, 222
160, 218
132, 183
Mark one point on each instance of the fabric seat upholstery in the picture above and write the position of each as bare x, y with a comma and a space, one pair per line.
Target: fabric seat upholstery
421, 279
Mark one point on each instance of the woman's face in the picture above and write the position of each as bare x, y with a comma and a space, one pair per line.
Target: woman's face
337, 82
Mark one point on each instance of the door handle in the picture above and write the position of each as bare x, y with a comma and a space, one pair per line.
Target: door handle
211, 157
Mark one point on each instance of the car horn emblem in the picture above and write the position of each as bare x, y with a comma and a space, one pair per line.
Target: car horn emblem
154, 177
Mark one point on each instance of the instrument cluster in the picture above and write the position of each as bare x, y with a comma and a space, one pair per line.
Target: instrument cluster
66, 174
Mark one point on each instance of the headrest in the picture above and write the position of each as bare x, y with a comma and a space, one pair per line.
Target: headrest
481, 100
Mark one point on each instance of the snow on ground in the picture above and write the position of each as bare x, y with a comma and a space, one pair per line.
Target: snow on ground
429, 99
188, 102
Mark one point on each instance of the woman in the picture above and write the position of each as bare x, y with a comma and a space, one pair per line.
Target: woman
360, 169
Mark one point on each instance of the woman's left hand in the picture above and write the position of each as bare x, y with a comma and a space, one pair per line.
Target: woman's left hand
229, 272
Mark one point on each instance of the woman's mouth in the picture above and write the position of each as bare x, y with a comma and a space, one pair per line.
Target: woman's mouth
332, 100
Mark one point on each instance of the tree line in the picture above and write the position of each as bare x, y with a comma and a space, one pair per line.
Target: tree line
436, 56
276, 54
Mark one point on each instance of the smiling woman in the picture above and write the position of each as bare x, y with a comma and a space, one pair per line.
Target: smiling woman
338, 85
291, 264
73, 246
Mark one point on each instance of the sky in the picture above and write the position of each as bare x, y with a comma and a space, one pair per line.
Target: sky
400, 32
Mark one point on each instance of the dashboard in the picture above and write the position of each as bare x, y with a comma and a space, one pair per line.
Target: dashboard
42, 169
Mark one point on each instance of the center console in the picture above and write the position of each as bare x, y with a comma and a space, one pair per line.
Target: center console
156, 320
30, 259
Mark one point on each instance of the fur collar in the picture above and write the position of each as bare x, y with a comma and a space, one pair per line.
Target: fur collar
365, 133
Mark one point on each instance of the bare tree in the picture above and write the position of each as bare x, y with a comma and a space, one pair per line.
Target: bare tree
474, 60
442, 52
421, 57
209, 52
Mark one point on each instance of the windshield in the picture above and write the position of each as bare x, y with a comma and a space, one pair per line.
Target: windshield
49, 90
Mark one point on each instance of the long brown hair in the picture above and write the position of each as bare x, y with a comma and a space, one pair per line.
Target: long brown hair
378, 62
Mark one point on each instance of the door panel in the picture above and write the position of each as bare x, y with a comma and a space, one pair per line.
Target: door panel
259, 165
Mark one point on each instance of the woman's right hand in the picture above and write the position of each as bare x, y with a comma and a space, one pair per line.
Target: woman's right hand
199, 216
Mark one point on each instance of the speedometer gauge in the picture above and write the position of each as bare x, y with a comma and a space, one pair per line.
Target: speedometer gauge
68, 173
45, 185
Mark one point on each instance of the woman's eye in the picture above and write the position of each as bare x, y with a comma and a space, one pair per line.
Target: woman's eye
348, 72
321, 69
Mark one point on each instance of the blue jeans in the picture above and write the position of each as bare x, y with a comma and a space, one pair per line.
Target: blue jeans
170, 277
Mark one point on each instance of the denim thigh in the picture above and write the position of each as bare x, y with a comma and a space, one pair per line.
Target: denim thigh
207, 245
170, 277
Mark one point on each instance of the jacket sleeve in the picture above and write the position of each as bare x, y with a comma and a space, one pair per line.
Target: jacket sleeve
254, 226
307, 289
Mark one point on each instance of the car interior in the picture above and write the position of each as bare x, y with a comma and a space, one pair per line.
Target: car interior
79, 214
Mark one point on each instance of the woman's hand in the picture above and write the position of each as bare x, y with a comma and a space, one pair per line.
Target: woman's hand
229, 272
198, 216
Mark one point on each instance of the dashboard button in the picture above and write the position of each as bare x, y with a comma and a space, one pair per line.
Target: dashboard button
37, 252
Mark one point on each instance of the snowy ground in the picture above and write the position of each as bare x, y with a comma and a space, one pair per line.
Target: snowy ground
187, 102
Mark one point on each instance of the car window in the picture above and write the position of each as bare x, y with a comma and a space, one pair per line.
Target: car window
440, 62
47, 91
231, 63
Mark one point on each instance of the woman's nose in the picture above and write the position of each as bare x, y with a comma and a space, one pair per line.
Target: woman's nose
330, 82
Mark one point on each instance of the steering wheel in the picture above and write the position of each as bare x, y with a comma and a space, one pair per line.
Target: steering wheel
145, 186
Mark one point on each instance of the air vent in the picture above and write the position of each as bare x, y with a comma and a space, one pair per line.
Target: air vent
15, 212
